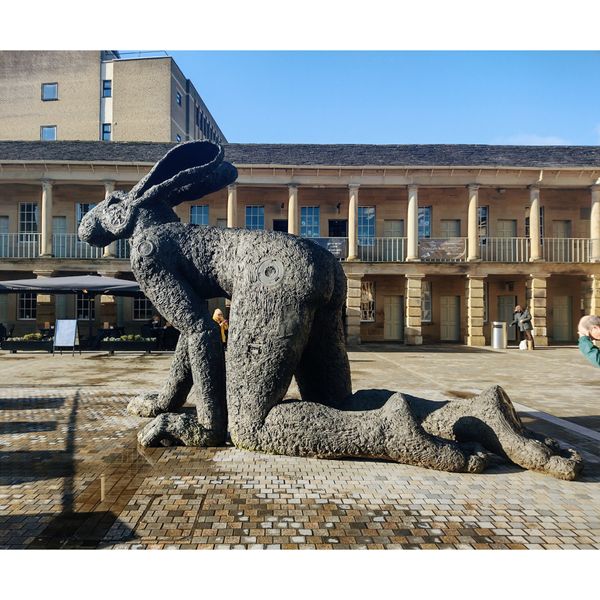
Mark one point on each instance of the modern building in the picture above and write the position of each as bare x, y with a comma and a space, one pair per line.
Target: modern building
100, 95
437, 242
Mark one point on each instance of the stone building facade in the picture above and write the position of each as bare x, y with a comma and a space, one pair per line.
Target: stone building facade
99, 95
437, 242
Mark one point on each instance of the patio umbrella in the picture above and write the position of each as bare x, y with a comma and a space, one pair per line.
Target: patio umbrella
91, 285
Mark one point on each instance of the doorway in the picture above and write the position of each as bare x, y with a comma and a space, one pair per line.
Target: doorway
393, 318
280, 225
506, 307
449, 318
338, 228
562, 322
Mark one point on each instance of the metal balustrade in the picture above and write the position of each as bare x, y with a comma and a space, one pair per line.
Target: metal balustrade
443, 249
123, 249
567, 250
19, 245
68, 245
385, 249
504, 249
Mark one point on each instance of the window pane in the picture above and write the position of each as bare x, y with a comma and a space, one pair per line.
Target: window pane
28, 221
142, 309
199, 215
255, 217
178, 98
49, 91
107, 88
393, 228
426, 302
366, 225
84, 306
367, 301
424, 218
27, 306
310, 220
48, 133
106, 132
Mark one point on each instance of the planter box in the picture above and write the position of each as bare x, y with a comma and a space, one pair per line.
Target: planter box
27, 346
113, 347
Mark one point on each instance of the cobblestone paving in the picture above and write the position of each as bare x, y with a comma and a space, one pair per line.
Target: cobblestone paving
72, 476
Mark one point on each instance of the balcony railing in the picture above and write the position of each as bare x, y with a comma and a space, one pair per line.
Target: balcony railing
567, 250
504, 249
123, 249
338, 246
19, 245
386, 249
443, 249
68, 245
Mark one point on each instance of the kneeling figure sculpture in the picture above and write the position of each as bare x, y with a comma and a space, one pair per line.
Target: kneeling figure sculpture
287, 296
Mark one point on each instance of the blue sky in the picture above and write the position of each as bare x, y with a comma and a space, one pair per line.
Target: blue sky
400, 97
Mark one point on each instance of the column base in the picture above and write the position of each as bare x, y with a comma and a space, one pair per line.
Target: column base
475, 340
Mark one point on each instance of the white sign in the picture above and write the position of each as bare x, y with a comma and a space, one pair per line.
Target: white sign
66, 334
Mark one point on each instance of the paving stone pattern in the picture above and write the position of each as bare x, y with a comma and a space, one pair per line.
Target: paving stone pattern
72, 476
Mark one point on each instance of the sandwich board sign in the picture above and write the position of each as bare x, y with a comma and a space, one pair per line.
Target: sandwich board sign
66, 334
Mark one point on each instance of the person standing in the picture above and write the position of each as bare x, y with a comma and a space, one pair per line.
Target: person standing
221, 321
522, 319
588, 331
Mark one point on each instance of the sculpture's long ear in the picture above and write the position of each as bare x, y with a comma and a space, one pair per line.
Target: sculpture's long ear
187, 172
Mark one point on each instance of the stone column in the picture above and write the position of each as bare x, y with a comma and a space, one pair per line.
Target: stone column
595, 225
413, 335
473, 224
353, 296
45, 312
590, 292
46, 244
536, 302
293, 210
535, 242
232, 205
475, 309
110, 251
412, 224
353, 222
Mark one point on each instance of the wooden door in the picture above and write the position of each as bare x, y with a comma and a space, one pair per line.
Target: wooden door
449, 318
562, 317
506, 307
393, 318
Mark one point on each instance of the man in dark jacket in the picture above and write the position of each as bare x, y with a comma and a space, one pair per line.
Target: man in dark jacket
522, 319
589, 330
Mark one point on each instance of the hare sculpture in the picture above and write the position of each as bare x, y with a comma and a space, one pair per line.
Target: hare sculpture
287, 298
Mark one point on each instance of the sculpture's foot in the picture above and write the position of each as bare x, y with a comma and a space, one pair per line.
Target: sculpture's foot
178, 430
146, 405
408, 443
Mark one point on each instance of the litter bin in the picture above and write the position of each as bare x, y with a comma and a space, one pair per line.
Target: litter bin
499, 337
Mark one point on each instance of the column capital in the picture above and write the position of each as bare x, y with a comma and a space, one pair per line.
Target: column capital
46, 183
595, 187
412, 187
534, 187
355, 276
415, 276
40, 273
232, 187
292, 186
353, 186
476, 277
539, 275
473, 187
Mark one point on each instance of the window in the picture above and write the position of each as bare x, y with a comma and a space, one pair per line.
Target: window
106, 132
27, 306
197, 116
177, 138
107, 88
81, 211
310, 221
393, 228
48, 133
199, 215
482, 221
142, 309
255, 217
367, 301
84, 305
28, 221
178, 98
49, 91
450, 228
486, 299
426, 302
366, 225
424, 218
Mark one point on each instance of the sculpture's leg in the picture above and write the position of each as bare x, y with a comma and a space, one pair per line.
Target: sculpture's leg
490, 419
323, 374
257, 378
175, 390
179, 303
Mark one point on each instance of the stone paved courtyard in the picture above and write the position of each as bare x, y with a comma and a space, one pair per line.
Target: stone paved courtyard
72, 475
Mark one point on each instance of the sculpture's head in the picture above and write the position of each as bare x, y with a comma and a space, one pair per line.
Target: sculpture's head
187, 172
